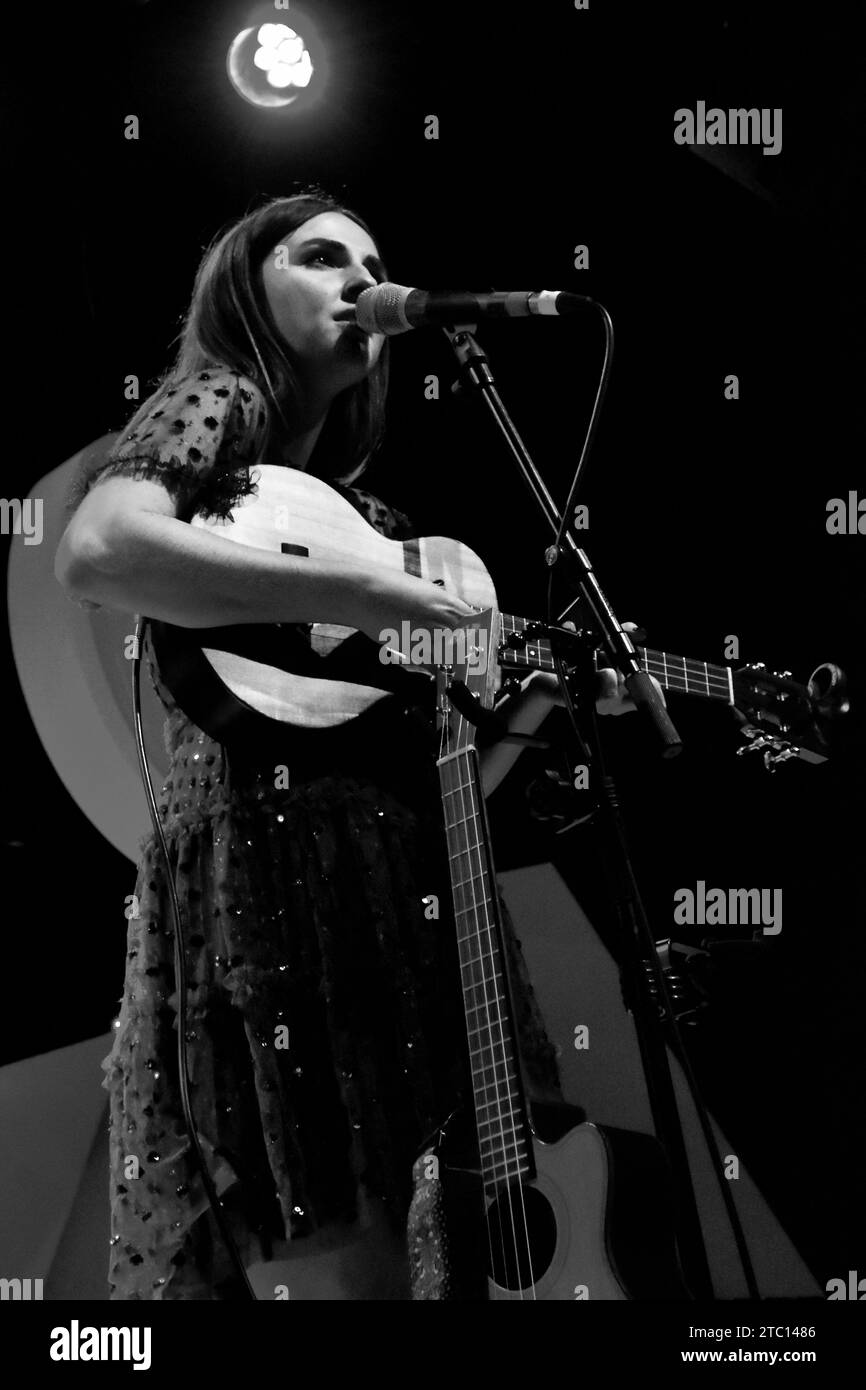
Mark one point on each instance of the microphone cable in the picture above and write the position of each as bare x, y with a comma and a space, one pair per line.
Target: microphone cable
180, 974
665, 999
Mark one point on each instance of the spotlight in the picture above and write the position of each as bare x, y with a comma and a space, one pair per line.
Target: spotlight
276, 64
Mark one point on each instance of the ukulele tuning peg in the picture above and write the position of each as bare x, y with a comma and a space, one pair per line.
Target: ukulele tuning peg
774, 750
779, 754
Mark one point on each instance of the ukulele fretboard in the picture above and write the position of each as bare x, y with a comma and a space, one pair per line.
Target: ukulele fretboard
520, 648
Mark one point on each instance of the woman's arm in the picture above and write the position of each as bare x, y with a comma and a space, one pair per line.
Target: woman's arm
125, 548
523, 713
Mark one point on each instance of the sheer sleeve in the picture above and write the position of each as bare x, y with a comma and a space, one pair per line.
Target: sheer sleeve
392, 523
198, 439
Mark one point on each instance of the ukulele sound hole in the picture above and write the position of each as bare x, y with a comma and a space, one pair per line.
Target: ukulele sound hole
521, 1229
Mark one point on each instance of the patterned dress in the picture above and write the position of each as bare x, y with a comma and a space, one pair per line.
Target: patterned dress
325, 1038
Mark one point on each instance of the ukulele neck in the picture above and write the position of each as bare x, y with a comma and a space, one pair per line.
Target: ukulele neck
681, 674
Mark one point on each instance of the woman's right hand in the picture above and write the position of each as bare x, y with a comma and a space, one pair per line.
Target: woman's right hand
393, 598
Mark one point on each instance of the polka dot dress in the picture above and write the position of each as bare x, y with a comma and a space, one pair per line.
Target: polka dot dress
325, 1039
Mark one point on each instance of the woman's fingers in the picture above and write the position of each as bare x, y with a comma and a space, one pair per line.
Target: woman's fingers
613, 698
610, 693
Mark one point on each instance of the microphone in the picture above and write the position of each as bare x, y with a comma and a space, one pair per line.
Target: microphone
391, 309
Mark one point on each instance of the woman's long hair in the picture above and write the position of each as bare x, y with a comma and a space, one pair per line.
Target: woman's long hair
229, 324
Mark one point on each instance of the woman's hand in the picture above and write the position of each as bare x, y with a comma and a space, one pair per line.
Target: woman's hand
611, 696
393, 598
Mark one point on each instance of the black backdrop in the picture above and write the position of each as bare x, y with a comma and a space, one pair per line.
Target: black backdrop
707, 515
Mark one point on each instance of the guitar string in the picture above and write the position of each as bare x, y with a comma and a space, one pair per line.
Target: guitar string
464, 731
445, 746
490, 928
508, 1186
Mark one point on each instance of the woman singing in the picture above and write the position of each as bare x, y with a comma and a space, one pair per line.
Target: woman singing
300, 906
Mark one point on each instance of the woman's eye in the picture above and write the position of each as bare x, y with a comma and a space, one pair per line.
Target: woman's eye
321, 256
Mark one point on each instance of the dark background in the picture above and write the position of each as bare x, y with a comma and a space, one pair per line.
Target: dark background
707, 516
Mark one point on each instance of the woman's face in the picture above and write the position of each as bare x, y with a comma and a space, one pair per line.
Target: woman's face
312, 280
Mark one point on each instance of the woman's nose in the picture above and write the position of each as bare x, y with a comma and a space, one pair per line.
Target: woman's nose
356, 283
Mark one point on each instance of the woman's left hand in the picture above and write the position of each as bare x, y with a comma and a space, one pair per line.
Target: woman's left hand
611, 694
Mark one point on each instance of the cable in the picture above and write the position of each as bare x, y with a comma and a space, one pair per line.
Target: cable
179, 972
671, 1024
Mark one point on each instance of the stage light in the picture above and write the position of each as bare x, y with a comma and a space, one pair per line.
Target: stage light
274, 64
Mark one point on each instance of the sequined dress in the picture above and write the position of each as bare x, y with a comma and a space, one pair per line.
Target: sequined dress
325, 1040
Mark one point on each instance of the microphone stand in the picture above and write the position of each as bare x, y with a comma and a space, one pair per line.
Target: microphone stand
639, 956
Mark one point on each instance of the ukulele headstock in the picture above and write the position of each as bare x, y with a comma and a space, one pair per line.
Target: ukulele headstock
782, 718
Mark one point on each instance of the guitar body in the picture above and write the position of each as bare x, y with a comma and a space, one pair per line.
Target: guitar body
248, 682
599, 1223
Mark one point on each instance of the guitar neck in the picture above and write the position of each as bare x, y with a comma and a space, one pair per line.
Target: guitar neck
681, 674
504, 1139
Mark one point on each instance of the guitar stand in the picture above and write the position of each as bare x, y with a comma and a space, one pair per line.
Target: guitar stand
654, 1012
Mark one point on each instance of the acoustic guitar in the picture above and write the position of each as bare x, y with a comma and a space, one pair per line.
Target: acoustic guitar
552, 1230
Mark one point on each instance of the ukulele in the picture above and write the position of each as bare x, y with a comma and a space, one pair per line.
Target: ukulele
300, 686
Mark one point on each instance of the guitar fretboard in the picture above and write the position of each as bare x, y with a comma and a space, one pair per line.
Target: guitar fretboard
503, 1134
676, 673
